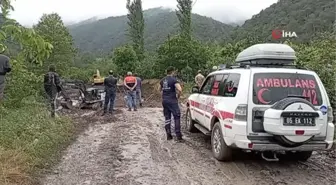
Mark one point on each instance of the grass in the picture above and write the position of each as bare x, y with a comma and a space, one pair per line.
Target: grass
29, 140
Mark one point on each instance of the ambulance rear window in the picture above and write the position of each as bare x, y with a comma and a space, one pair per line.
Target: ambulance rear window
269, 88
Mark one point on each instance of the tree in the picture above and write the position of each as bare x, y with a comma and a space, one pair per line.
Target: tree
33, 50
147, 67
186, 56
305, 18
53, 30
136, 25
125, 59
184, 16
319, 56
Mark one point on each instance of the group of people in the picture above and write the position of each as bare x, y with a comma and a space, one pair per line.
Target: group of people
171, 91
132, 86
170, 88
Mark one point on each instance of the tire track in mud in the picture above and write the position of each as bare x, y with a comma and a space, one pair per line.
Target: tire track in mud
177, 163
133, 150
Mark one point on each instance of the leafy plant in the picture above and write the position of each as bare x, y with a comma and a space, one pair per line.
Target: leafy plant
125, 59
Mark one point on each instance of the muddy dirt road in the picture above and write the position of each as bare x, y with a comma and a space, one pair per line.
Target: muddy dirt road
130, 148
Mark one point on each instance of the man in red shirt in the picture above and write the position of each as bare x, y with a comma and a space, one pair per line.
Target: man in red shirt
130, 83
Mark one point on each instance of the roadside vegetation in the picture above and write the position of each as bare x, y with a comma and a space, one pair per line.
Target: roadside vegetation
30, 140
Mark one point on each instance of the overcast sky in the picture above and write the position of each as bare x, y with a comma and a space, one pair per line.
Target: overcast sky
28, 12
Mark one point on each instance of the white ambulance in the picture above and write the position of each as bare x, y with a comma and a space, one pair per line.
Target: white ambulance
263, 104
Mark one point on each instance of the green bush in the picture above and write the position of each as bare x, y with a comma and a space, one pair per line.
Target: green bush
29, 135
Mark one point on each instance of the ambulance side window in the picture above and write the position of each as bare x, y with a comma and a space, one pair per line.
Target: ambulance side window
207, 85
231, 85
222, 85
216, 85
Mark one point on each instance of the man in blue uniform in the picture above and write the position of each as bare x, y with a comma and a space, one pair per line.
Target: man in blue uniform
171, 91
110, 84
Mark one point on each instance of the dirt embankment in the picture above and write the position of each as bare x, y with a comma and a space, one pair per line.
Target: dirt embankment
152, 94
130, 148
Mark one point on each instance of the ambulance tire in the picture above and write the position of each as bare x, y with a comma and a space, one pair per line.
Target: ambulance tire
282, 105
220, 150
190, 123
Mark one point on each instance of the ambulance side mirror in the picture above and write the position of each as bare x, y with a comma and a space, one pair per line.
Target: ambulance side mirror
195, 89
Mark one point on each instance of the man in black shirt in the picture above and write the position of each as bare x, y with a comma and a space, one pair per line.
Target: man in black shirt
4, 69
52, 86
110, 84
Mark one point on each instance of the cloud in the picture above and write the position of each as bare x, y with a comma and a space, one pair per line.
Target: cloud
28, 12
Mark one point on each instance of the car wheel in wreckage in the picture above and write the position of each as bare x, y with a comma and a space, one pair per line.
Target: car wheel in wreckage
62, 102
97, 105
289, 119
81, 100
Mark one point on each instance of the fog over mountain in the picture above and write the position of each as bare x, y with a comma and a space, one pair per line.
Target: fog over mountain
75, 11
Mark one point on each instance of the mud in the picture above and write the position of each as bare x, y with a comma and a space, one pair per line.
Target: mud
151, 93
130, 148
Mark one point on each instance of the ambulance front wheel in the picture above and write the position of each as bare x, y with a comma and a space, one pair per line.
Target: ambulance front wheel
190, 123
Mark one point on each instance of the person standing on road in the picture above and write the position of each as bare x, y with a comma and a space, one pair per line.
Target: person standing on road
171, 91
110, 84
199, 78
119, 78
130, 84
138, 89
4, 69
52, 86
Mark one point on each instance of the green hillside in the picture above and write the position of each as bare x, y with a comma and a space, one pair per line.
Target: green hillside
305, 17
103, 35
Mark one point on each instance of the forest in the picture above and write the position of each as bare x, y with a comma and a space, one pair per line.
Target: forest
29, 138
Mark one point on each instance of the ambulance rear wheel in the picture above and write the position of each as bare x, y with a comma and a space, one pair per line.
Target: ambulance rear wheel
220, 150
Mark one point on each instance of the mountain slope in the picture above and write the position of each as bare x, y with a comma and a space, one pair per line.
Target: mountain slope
87, 21
103, 35
305, 17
